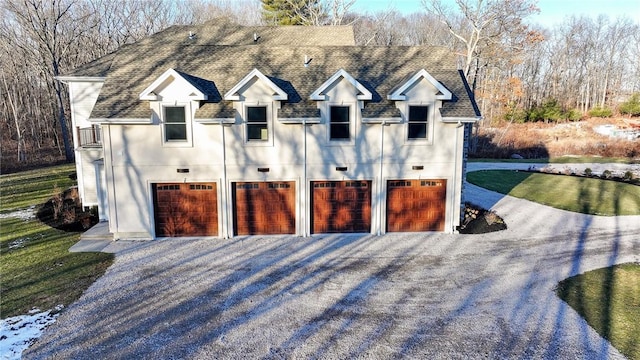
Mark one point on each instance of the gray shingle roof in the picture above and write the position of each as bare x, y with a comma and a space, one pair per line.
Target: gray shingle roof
219, 68
97, 68
224, 32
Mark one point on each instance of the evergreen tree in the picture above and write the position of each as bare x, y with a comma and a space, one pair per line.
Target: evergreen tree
291, 12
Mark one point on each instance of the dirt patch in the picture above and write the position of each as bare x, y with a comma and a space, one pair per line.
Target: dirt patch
64, 211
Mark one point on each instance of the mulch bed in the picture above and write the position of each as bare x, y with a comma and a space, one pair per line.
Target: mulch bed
65, 212
480, 221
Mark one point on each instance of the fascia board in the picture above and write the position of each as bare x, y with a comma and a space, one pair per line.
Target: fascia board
68, 79
233, 93
147, 94
216, 121
398, 94
391, 120
318, 94
122, 121
461, 119
314, 120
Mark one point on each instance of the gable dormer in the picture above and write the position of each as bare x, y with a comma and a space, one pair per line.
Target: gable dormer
340, 100
320, 94
173, 85
256, 99
400, 92
173, 98
418, 99
255, 78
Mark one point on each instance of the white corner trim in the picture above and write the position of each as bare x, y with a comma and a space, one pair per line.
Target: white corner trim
233, 93
319, 95
148, 93
398, 94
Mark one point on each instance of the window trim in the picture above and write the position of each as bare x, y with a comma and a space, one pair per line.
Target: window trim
430, 124
188, 142
425, 122
352, 123
245, 123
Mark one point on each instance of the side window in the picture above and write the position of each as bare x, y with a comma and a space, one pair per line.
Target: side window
339, 123
417, 122
257, 126
175, 125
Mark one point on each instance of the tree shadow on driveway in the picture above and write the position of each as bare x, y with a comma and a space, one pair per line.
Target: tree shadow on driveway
330, 296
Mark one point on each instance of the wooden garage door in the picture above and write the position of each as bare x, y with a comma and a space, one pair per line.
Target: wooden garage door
264, 208
416, 205
185, 209
341, 206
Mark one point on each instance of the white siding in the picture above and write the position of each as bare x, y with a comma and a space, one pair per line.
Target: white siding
83, 95
137, 158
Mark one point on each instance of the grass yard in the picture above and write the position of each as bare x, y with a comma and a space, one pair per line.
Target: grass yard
609, 299
578, 194
33, 187
563, 160
36, 266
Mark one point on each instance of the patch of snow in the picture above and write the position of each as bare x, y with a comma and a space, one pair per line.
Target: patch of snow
22, 214
18, 332
16, 244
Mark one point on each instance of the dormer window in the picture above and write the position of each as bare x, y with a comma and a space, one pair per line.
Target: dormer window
257, 124
175, 124
417, 122
339, 124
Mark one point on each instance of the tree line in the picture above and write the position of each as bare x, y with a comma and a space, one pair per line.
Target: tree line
518, 69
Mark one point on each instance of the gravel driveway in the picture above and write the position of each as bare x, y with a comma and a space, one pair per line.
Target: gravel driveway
429, 296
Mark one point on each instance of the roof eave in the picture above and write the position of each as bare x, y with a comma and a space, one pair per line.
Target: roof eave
68, 79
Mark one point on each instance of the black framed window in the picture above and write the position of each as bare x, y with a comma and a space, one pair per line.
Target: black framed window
418, 120
175, 124
257, 128
339, 123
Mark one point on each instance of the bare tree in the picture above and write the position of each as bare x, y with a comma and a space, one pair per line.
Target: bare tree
485, 23
322, 12
52, 28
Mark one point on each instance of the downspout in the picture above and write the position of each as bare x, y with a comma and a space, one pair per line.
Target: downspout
382, 125
225, 217
455, 183
304, 183
116, 229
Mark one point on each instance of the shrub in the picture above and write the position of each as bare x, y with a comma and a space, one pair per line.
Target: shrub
601, 112
573, 115
628, 175
588, 172
606, 174
550, 110
631, 106
517, 115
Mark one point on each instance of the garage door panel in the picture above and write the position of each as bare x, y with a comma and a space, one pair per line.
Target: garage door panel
416, 205
264, 208
341, 206
185, 209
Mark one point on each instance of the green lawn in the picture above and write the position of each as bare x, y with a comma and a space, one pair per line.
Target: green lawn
609, 299
584, 195
564, 160
36, 266
19, 190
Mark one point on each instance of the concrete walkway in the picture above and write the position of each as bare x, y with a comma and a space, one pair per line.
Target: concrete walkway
427, 296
